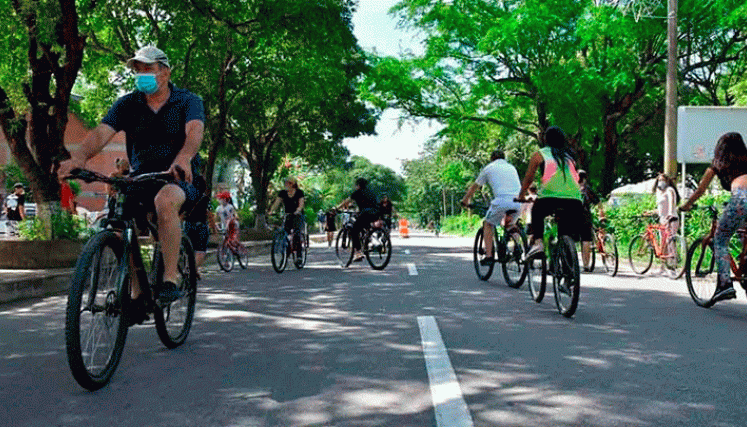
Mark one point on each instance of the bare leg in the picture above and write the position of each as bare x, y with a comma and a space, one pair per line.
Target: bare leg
199, 258
586, 253
168, 201
487, 231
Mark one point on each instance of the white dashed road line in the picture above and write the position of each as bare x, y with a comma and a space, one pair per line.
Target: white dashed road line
412, 269
448, 402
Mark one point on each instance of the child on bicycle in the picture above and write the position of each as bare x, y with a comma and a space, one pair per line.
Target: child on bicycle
730, 166
559, 189
226, 212
504, 181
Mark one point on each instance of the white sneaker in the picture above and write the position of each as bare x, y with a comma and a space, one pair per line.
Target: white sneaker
536, 248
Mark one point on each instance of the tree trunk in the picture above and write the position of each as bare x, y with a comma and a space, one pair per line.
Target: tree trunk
610, 154
50, 69
262, 165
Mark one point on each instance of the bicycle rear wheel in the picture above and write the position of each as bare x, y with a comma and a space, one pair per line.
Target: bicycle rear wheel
566, 277
95, 324
174, 320
378, 248
344, 247
512, 263
640, 254
225, 257
279, 254
478, 251
242, 253
537, 277
701, 273
609, 256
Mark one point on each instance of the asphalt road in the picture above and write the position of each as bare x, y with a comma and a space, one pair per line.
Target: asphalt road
326, 346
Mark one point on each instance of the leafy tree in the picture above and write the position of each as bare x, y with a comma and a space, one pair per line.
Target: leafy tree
587, 66
41, 51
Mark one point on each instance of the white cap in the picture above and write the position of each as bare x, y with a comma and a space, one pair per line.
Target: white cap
149, 55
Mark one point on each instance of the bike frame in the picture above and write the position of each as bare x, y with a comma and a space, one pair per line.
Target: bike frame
132, 255
652, 234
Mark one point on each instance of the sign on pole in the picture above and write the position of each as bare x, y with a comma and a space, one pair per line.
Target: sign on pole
699, 128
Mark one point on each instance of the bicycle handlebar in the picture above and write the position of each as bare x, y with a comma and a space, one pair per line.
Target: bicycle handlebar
91, 176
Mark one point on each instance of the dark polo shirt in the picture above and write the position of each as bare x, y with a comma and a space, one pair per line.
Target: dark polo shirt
154, 139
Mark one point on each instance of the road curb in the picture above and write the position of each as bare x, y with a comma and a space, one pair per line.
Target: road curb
17, 285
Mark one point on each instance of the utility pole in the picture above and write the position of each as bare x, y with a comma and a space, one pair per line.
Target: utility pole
670, 120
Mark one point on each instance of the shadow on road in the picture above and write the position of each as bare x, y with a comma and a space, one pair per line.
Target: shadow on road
331, 347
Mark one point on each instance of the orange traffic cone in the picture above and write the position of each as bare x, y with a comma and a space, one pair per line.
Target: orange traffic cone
403, 231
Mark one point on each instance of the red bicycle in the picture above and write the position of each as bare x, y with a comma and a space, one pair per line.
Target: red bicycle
231, 249
656, 241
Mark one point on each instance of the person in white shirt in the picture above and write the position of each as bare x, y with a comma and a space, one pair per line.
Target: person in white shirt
505, 183
667, 199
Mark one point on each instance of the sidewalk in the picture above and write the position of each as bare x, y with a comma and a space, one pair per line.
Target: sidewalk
18, 285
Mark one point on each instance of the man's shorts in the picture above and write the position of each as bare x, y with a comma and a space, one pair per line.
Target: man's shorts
191, 195
198, 234
498, 208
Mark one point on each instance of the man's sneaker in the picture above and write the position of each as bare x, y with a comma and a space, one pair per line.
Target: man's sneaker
168, 292
536, 248
723, 294
487, 261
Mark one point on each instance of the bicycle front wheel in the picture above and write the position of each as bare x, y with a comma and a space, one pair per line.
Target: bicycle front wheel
701, 273
378, 248
676, 255
174, 320
225, 257
512, 262
279, 251
640, 254
242, 253
609, 254
344, 247
482, 268
303, 252
537, 276
566, 277
95, 323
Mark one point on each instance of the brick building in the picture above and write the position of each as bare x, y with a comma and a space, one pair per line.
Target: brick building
92, 196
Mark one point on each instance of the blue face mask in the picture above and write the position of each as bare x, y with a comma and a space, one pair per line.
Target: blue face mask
146, 83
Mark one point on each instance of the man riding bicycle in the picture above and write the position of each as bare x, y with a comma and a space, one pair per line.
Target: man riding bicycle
164, 128
368, 204
505, 184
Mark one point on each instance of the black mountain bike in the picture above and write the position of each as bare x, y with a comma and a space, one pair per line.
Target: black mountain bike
376, 243
287, 245
509, 247
99, 304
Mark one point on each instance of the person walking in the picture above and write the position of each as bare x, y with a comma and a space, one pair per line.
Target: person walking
14, 208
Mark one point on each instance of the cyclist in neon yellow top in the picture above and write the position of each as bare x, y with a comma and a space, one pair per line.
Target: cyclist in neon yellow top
558, 189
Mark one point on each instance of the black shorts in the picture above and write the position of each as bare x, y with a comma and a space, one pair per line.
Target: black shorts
571, 223
148, 195
198, 233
